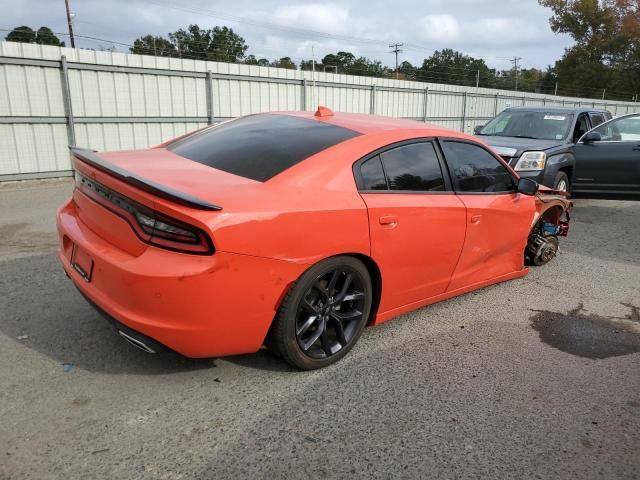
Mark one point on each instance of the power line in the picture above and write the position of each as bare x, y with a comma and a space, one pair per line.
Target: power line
395, 48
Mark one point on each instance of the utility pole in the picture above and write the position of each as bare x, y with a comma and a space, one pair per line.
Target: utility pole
603, 91
395, 48
477, 78
70, 23
313, 78
515, 61
556, 91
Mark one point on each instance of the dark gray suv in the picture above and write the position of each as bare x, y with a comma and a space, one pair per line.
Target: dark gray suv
538, 142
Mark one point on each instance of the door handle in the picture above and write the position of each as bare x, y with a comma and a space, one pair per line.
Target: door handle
390, 220
475, 218
636, 148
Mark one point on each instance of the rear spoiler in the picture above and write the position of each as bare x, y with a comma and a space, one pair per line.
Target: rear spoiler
89, 157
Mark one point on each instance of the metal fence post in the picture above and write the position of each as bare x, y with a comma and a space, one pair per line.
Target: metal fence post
464, 109
495, 106
209, 91
66, 100
372, 105
303, 97
425, 104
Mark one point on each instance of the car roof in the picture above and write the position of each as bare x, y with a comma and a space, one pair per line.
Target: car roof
555, 110
368, 124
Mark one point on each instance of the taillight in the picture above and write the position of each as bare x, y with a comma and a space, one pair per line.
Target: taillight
150, 226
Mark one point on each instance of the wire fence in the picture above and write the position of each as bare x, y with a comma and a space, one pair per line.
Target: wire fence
51, 97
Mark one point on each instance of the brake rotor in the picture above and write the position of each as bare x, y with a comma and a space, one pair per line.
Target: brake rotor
547, 252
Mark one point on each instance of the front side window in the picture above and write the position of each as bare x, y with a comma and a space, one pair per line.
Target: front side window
529, 124
625, 129
475, 169
413, 167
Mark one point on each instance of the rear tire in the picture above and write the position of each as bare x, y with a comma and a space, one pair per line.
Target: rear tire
323, 314
561, 182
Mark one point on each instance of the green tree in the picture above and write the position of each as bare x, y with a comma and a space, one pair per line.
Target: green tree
308, 65
194, 42
252, 60
284, 62
407, 70
22, 34
453, 67
153, 45
44, 36
226, 45
219, 44
347, 62
606, 53
367, 67
343, 61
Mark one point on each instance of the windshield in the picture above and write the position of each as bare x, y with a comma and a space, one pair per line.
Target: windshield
539, 125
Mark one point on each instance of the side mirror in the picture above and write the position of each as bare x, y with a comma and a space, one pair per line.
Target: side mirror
526, 186
477, 129
592, 137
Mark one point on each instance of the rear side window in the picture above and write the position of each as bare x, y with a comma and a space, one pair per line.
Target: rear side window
260, 147
476, 170
372, 175
413, 167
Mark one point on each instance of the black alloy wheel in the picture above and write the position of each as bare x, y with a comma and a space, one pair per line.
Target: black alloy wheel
323, 314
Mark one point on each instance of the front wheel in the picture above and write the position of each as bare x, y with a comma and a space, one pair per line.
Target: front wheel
323, 314
561, 182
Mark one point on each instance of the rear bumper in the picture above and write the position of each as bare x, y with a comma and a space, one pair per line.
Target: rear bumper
139, 340
198, 306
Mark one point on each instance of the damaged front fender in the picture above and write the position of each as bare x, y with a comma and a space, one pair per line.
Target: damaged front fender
553, 206
550, 221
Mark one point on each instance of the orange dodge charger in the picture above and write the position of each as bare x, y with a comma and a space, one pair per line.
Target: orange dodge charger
295, 230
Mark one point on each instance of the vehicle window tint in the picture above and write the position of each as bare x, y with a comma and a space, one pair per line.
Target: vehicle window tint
625, 129
372, 175
596, 119
475, 169
413, 167
260, 146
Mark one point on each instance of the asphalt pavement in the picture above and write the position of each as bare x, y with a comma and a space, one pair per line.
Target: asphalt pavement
534, 378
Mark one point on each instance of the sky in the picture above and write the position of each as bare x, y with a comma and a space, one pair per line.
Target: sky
493, 30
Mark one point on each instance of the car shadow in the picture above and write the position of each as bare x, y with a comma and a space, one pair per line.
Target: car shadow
42, 310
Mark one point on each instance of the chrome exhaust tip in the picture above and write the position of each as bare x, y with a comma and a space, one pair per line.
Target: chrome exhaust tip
136, 343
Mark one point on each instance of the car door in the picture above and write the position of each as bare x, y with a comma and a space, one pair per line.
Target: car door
611, 164
498, 217
417, 223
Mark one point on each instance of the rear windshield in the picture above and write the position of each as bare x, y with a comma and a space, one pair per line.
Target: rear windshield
532, 124
260, 146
